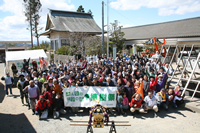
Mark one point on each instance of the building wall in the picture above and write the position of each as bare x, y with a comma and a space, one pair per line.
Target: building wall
56, 37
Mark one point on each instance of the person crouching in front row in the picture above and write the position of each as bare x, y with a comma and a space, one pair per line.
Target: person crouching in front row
151, 102
137, 103
57, 105
41, 105
162, 99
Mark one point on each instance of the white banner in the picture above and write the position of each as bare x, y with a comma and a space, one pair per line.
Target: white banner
85, 96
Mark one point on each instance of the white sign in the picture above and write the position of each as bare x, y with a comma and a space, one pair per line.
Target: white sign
86, 96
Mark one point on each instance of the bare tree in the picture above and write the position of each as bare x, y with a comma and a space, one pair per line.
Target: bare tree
77, 42
93, 45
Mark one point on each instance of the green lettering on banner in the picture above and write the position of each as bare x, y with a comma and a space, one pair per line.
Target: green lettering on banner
67, 93
111, 97
72, 99
68, 98
102, 97
87, 96
76, 93
93, 96
81, 99
81, 93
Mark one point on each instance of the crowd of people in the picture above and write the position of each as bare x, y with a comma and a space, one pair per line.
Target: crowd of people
142, 84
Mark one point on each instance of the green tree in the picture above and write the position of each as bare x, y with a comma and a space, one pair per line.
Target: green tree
64, 50
117, 36
89, 11
32, 9
80, 9
139, 49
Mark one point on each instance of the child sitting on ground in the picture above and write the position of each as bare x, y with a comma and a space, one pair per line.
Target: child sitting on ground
125, 103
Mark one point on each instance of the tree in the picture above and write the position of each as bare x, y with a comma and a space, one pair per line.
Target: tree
117, 37
36, 18
32, 9
80, 9
93, 45
89, 11
77, 42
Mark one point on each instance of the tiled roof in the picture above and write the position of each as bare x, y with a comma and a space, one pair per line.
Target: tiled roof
173, 29
71, 22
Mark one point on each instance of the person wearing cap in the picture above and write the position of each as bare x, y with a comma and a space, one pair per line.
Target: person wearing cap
42, 105
161, 82
33, 94
43, 63
114, 79
8, 82
152, 84
136, 103
162, 99
20, 85
43, 79
26, 83
151, 102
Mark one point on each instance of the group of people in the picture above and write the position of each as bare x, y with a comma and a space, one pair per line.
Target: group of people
141, 83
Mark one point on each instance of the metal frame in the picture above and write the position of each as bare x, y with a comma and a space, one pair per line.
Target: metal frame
190, 79
186, 64
178, 62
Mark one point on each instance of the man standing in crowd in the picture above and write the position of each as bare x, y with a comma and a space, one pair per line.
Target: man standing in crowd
8, 83
33, 94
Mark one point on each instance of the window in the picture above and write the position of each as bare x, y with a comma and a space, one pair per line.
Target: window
65, 42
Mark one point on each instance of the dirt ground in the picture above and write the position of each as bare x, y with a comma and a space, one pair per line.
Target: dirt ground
17, 118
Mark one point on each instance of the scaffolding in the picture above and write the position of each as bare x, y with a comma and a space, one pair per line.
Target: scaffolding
179, 72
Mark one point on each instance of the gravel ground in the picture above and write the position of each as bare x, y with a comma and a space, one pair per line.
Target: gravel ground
17, 118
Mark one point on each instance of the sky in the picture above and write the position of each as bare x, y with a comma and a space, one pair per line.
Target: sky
13, 26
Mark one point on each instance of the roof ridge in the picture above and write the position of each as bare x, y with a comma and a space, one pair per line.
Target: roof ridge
69, 11
162, 22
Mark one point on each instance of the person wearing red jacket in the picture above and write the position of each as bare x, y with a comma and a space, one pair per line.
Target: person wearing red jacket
153, 83
137, 104
41, 105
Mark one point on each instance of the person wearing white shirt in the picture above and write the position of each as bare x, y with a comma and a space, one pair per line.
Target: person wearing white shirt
151, 102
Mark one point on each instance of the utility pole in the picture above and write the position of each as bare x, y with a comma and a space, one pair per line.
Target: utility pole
103, 28
107, 28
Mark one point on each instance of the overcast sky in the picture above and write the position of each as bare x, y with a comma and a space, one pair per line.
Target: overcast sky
127, 12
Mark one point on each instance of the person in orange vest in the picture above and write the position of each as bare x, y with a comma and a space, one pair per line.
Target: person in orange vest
56, 86
42, 61
42, 105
